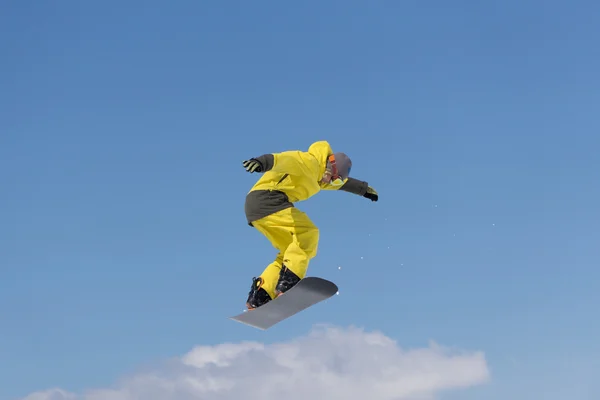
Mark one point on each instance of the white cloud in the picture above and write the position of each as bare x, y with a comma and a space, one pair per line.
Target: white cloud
52, 394
328, 363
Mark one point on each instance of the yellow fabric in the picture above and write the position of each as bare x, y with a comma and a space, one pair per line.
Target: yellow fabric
298, 173
296, 238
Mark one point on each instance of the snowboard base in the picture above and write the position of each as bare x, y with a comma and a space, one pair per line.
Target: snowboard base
308, 292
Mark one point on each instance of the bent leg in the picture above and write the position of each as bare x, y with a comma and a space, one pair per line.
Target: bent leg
304, 244
302, 248
263, 287
296, 238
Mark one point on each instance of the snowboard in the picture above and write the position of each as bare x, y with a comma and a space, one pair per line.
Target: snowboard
306, 293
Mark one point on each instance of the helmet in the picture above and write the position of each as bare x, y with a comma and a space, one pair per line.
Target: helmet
339, 165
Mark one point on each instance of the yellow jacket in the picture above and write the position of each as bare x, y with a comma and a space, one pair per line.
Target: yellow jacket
297, 173
293, 176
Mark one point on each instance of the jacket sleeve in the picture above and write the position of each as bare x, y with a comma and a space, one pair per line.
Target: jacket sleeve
290, 162
355, 186
285, 162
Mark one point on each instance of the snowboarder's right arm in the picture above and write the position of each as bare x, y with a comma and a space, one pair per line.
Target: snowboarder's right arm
287, 161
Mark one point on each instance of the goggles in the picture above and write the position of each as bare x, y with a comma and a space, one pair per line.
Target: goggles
336, 179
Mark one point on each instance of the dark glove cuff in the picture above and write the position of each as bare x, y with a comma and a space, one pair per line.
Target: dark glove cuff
266, 162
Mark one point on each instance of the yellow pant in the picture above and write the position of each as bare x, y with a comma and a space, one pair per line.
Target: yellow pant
295, 236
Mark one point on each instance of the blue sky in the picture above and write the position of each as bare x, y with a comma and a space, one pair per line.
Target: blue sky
123, 127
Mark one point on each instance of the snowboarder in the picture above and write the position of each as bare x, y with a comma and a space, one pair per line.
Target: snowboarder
289, 177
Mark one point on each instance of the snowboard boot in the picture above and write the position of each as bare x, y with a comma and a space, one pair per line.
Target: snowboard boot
257, 295
287, 280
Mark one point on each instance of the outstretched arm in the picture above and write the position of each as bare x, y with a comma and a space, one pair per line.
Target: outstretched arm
360, 188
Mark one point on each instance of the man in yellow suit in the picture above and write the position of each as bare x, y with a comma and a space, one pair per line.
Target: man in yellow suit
289, 177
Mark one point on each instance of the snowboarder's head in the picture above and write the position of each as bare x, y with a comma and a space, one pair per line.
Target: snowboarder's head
337, 169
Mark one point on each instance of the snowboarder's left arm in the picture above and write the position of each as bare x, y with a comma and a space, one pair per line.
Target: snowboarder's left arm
360, 188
